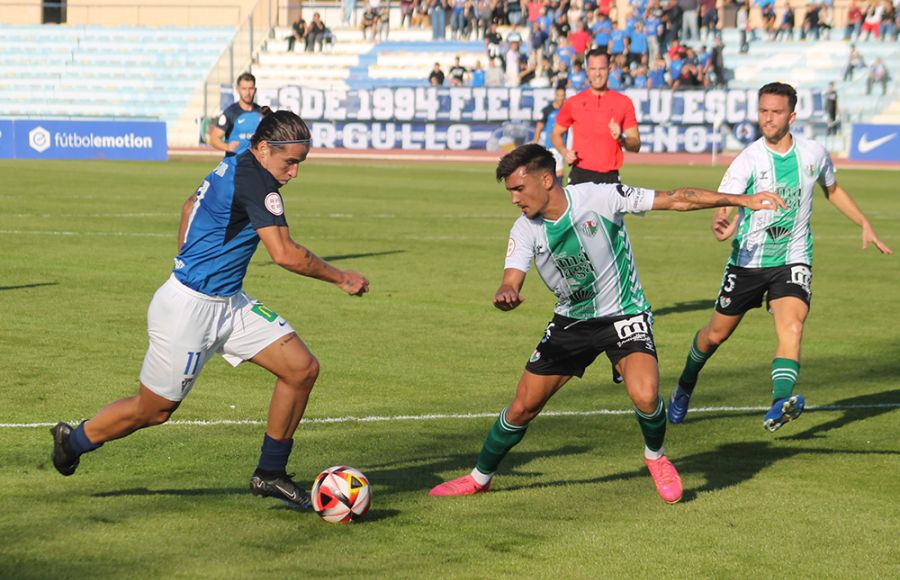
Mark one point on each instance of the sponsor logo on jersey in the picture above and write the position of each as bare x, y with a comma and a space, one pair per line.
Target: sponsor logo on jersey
510, 247
777, 233
591, 225
866, 146
274, 204
574, 266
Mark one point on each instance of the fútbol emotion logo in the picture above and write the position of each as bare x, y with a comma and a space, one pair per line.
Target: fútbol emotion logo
39, 139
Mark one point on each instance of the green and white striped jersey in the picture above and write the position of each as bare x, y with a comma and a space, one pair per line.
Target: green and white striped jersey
585, 256
770, 238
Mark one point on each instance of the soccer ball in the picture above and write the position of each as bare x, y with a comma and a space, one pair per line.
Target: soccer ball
341, 494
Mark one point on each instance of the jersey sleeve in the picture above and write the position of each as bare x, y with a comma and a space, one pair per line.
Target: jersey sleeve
619, 198
826, 173
737, 178
263, 208
520, 249
225, 123
564, 117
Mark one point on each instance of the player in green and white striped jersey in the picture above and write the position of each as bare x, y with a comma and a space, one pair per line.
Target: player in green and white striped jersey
772, 250
577, 239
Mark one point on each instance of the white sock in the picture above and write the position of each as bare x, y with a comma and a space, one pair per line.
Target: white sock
481, 478
654, 454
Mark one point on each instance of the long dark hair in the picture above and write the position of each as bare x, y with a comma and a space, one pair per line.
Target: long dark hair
278, 126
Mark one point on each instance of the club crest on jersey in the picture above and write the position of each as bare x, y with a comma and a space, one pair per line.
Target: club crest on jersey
811, 170
274, 204
591, 225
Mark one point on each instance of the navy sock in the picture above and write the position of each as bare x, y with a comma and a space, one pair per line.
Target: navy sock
79, 442
275, 453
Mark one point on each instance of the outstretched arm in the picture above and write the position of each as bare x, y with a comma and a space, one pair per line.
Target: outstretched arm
839, 197
292, 256
691, 198
507, 296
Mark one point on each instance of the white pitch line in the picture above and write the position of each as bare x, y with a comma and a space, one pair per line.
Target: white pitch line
442, 417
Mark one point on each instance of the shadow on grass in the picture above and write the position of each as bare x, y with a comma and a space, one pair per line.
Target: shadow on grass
691, 306
24, 286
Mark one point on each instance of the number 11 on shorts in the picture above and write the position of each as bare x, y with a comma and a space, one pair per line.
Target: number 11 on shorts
193, 359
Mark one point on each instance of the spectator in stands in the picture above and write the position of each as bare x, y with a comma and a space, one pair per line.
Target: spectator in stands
298, 32
657, 76
457, 73
421, 13
617, 42
438, 15
579, 39
602, 31
369, 21
811, 22
533, 8
562, 26
854, 22
617, 79
315, 34
564, 52
831, 109
492, 42
407, 9
637, 44
786, 27
717, 62
872, 21
348, 7
888, 22
436, 77
513, 63
689, 20
470, 14
653, 29
478, 75
493, 76
578, 78
514, 12
672, 20
743, 26
690, 76
457, 18
877, 74
238, 121
767, 7
485, 11
560, 76
539, 37
640, 78
854, 61
709, 19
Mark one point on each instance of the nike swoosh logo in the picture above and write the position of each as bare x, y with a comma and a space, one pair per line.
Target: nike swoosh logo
290, 495
282, 323
865, 145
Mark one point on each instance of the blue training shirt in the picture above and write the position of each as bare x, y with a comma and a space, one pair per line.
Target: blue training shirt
236, 199
239, 125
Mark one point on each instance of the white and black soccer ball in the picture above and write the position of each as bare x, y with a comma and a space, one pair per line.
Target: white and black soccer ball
341, 494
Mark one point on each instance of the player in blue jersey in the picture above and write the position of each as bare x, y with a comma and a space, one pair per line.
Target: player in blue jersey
202, 310
238, 122
544, 127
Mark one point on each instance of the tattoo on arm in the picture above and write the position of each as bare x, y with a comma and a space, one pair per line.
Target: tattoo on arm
288, 339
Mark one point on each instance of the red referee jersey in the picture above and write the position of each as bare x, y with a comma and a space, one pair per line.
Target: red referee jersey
589, 116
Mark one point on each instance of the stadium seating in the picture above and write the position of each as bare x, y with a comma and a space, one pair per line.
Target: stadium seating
98, 71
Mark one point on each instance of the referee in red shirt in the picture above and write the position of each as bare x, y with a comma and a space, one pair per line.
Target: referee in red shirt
602, 121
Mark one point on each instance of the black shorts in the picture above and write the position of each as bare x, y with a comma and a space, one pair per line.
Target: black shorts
743, 288
578, 175
570, 345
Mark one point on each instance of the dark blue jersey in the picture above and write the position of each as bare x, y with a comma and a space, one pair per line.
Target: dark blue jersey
239, 125
236, 199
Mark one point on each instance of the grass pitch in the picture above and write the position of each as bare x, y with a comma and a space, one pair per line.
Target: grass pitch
84, 246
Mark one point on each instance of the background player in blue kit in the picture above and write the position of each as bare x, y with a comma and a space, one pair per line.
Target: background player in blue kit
238, 122
544, 128
202, 310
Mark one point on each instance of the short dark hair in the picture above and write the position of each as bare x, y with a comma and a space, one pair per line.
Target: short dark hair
535, 158
781, 89
596, 52
279, 126
246, 77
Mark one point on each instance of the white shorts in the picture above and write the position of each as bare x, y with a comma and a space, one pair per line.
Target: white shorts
186, 328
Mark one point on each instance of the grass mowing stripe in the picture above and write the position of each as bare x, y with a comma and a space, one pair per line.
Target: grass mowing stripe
445, 416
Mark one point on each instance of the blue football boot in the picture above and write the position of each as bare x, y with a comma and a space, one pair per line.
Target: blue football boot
784, 410
678, 404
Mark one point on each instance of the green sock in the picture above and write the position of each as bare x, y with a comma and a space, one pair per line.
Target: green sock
695, 361
502, 437
784, 375
653, 426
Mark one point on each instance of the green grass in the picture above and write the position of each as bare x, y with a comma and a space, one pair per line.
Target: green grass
85, 245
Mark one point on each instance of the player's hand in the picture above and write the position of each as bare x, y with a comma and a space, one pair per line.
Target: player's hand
764, 200
353, 283
615, 129
721, 226
507, 298
869, 236
233, 145
571, 157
